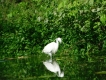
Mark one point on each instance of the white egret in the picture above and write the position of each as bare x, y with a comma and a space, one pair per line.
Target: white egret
54, 67
52, 47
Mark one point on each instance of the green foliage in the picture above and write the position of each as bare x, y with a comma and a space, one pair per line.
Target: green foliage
27, 26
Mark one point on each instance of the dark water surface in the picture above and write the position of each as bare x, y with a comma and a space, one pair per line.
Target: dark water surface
32, 68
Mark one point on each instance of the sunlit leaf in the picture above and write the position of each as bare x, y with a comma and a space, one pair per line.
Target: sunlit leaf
91, 2
103, 18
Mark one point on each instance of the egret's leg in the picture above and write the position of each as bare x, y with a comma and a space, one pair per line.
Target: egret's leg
50, 58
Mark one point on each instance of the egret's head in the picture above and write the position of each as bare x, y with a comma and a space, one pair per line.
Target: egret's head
59, 40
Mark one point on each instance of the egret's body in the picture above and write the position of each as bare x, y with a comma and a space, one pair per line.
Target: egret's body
52, 47
54, 67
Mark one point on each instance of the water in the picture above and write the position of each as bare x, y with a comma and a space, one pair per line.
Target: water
32, 68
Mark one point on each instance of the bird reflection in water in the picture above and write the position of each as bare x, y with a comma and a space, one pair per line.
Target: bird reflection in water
54, 67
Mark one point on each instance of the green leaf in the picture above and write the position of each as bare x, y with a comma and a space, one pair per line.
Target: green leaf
9, 15
103, 18
91, 2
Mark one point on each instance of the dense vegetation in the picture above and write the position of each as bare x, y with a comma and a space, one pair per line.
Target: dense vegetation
26, 26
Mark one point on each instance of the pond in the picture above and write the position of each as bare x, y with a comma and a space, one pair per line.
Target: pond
32, 68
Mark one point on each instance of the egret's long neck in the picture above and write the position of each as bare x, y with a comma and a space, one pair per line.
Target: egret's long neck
59, 73
57, 42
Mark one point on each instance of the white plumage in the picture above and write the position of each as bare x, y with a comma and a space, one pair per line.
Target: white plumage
52, 47
54, 67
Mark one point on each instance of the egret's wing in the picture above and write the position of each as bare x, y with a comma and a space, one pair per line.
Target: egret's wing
48, 48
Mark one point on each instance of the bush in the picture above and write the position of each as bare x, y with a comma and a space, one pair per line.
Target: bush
29, 25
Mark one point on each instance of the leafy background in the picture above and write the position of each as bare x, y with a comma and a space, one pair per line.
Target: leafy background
26, 26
